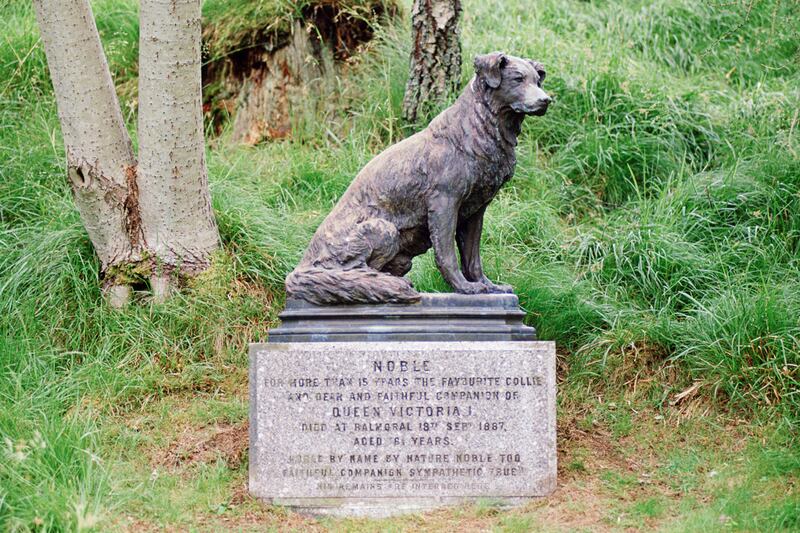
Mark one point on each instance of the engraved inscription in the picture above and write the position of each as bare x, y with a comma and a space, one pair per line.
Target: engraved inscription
412, 423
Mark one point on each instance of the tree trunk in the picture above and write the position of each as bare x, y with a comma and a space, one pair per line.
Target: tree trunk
100, 163
157, 220
436, 56
290, 78
177, 220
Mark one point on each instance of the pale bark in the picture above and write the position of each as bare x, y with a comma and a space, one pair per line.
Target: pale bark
159, 221
118, 296
100, 161
177, 220
435, 66
161, 288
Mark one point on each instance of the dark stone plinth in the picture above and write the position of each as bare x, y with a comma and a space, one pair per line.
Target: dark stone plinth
437, 317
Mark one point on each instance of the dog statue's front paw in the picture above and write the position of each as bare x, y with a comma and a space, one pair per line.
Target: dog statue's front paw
473, 287
501, 288
484, 287
497, 288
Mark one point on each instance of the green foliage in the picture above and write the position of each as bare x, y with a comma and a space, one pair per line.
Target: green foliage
48, 475
745, 342
757, 500
654, 221
749, 39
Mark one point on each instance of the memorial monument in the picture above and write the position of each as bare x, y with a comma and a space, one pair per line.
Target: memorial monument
374, 399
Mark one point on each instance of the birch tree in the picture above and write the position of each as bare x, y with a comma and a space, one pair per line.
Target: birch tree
178, 223
152, 219
100, 163
435, 64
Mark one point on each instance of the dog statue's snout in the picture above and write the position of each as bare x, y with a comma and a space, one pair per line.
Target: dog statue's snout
540, 104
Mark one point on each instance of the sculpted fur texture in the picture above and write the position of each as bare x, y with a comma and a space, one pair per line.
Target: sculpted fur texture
430, 189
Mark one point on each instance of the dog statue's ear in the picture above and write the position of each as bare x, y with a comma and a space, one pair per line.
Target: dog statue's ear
539, 69
488, 67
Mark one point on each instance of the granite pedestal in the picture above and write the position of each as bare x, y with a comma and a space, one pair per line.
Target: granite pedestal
437, 317
393, 415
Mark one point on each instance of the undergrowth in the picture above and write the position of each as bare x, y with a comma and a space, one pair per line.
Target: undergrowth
653, 221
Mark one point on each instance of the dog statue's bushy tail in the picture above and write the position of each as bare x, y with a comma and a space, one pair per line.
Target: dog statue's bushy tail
323, 286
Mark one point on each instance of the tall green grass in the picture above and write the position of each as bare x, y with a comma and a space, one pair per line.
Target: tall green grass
655, 211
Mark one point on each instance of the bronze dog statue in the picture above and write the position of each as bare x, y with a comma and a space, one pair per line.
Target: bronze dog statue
430, 189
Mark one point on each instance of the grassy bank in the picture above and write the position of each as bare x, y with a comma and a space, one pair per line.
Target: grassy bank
652, 229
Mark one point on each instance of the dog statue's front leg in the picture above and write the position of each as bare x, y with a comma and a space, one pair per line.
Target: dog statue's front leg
468, 237
442, 217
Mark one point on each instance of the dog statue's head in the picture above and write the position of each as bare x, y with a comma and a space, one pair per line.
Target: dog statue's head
514, 82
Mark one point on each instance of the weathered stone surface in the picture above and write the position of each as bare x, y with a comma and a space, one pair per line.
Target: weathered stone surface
437, 317
382, 428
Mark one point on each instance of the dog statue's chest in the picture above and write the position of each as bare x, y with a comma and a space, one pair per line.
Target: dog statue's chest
486, 182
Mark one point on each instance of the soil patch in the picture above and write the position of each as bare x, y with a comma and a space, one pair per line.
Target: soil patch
206, 445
